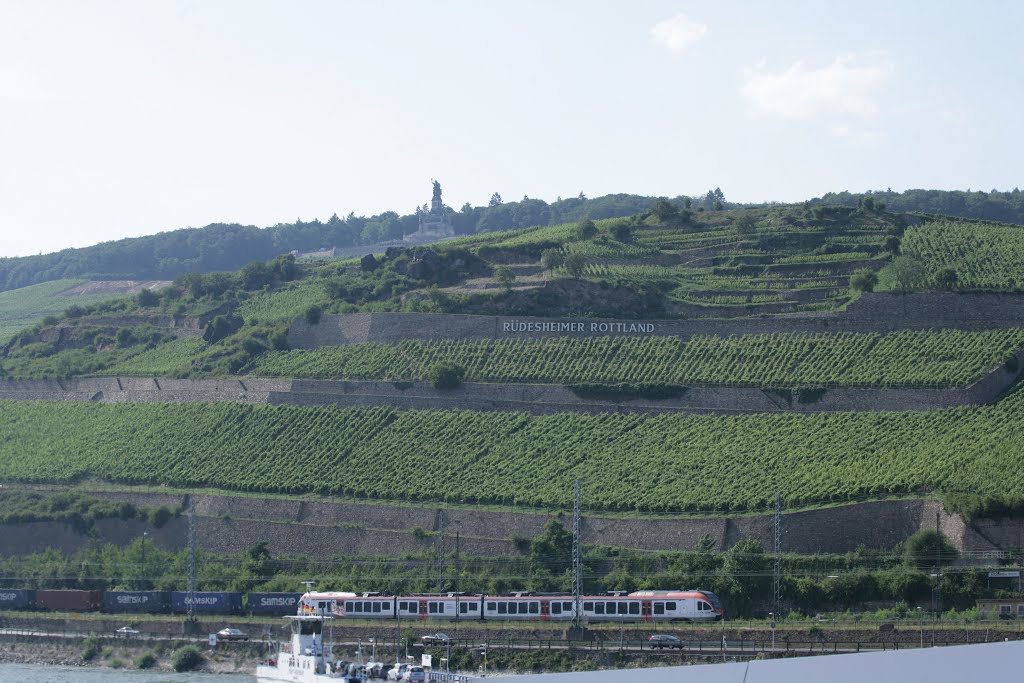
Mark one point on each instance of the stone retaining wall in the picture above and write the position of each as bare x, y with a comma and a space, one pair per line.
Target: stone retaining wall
539, 399
870, 313
327, 527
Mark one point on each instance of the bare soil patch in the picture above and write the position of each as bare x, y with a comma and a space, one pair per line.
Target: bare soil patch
94, 287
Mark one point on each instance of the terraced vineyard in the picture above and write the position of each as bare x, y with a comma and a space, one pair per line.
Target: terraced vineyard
284, 304
906, 358
625, 461
169, 358
983, 256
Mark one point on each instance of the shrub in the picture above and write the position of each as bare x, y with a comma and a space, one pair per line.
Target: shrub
552, 259
160, 516
621, 232
313, 314
90, 648
186, 658
574, 264
505, 276
926, 548
116, 662
864, 280
446, 376
147, 298
147, 660
586, 229
745, 225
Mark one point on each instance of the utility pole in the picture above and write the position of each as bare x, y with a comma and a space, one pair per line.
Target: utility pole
190, 607
577, 557
458, 571
935, 573
440, 550
777, 569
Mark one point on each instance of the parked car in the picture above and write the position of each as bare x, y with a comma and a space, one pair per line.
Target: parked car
415, 674
660, 641
232, 634
397, 672
126, 632
436, 639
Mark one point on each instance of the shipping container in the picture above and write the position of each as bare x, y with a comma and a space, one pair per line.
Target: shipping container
214, 602
15, 598
278, 604
75, 601
136, 601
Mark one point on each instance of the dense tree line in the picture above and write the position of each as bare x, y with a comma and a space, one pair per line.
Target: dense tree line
1006, 207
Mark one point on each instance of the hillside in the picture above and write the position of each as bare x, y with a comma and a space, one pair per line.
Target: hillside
226, 247
686, 367
756, 272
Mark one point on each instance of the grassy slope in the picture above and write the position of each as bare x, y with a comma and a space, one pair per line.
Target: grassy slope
667, 462
21, 308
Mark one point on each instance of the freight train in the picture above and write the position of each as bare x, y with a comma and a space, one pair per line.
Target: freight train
150, 602
643, 606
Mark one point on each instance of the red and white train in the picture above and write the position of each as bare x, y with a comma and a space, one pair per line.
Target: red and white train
648, 606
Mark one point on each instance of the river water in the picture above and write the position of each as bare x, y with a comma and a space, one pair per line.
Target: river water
33, 673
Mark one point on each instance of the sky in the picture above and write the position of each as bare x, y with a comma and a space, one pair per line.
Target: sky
121, 119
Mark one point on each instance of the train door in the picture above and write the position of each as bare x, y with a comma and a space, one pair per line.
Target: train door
423, 608
545, 610
645, 610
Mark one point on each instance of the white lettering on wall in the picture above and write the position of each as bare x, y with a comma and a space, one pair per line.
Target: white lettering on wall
553, 327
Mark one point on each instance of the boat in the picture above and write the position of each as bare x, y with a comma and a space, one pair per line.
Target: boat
305, 660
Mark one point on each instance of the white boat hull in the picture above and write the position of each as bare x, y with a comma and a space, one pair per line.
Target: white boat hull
297, 674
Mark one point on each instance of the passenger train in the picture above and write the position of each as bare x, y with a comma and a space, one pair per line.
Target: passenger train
643, 606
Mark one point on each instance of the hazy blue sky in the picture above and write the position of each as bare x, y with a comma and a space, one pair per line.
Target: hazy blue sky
128, 118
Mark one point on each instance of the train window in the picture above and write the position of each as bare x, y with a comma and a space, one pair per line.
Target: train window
659, 608
611, 608
463, 608
556, 608
623, 608
588, 607
472, 607
567, 606
599, 608
378, 608
670, 607
502, 608
634, 608
432, 607
534, 608
491, 606
350, 606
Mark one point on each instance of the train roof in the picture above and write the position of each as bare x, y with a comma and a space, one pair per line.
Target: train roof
328, 595
692, 593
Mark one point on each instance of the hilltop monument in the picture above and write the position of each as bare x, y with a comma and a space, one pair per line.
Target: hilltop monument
434, 224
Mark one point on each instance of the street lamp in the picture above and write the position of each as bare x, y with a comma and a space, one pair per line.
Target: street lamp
921, 620
772, 615
142, 583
